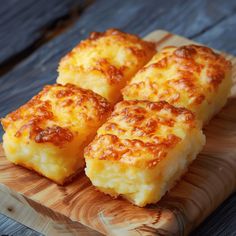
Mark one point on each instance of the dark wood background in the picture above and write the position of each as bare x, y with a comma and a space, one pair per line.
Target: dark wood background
34, 35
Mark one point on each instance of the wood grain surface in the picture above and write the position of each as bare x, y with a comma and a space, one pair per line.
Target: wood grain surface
16, 207
210, 180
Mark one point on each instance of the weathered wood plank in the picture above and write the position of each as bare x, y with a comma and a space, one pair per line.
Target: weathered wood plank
24, 22
221, 222
210, 22
11, 227
222, 35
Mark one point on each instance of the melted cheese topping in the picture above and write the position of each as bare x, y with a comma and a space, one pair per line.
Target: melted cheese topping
141, 133
142, 150
190, 76
105, 62
48, 133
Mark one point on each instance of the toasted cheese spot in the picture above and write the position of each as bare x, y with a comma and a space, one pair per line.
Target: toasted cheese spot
190, 76
54, 134
142, 149
105, 62
48, 133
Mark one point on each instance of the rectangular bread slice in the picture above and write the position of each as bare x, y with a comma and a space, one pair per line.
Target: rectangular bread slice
142, 150
190, 76
48, 133
105, 62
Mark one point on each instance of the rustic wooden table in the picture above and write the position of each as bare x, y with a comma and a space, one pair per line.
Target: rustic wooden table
35, 34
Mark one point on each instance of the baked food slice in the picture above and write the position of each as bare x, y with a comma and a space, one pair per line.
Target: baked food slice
105, 62
142, 150
190, 76
48, 133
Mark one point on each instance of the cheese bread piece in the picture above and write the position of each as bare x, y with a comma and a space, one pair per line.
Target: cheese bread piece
48, 133
190, 76
142, 150
105, 62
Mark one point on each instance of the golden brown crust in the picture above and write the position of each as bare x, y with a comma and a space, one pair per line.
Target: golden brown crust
125, 37
109, 59
126, 150
41, 116
144, 107
185, 73
140, 49
140, 128
217, 64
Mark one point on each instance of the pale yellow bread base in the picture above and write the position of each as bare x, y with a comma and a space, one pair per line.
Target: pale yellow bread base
208, 110
57, 164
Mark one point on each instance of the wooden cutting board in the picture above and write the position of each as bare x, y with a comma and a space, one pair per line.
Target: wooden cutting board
79, 209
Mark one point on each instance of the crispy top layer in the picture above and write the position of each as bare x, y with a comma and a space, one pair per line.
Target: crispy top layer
56, 114
138, 129
113, 54
184, 76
